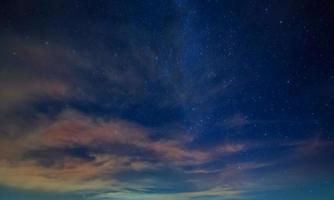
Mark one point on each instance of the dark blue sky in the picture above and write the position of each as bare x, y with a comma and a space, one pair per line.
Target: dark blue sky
166, 99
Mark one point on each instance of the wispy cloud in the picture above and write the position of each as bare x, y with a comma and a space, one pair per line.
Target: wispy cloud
236, 121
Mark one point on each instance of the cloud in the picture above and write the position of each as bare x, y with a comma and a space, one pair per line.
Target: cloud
236, 121
220, 192
32, 70
74, 129
76, 151
313, 146
29, 175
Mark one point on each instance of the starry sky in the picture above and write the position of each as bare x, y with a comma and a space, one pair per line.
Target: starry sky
167, 100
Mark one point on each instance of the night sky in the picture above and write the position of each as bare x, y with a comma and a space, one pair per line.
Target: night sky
167, 100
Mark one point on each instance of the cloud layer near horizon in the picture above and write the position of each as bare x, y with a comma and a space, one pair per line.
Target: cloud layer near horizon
76, 152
